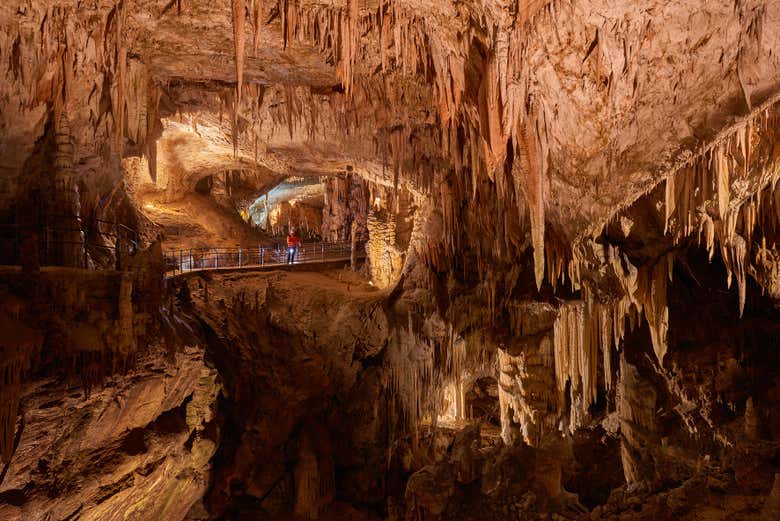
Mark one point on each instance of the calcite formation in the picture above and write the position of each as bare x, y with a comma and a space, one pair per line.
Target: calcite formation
568, 304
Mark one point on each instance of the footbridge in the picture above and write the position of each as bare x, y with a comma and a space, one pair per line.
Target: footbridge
182, 261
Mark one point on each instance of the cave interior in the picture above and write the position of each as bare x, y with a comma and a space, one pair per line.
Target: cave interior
536, 273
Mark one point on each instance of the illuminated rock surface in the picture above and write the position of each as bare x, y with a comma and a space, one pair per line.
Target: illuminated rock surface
568, 302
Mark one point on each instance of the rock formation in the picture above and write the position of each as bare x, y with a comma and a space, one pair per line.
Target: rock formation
561, 218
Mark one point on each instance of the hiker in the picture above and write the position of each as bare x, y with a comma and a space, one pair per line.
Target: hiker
292, 246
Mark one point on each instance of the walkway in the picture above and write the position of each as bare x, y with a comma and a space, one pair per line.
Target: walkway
178, 262
64, 240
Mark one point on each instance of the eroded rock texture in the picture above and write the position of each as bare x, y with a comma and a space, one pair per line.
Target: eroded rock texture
302, 411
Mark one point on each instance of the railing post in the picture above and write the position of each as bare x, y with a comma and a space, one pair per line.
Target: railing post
262, 256
46, 246
216, 257
191, 266
239, 256
15, 250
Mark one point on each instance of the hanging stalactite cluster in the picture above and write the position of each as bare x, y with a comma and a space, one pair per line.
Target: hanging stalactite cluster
484, 156
422, 360
18, 348
70, 54
725, 197
587, 332
722, 196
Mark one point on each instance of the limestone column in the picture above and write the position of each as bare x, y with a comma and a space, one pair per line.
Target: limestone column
639, 441
67, 247
353, 250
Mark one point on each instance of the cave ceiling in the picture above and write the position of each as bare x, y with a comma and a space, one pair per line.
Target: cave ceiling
614, 96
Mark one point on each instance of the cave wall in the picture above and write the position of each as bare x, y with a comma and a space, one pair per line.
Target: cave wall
69, 74
346, 208
140, 443
101, 415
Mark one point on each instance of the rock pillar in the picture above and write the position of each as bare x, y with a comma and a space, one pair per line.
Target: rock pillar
66, 235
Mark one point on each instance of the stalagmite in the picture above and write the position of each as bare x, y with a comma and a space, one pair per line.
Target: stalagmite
307, 481
126, 345
11, 372
70, 251
20, 344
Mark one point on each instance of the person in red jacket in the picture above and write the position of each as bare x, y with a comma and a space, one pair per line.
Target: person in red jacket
292, 246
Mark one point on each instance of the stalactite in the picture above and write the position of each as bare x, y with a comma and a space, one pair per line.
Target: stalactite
314, 116
722, 176
385, 34
289, 13
153, 129
669, 205
257, 21
238, 7
411, 363
535, 194
740, 256
20, 345
706, 182
424, 359
656, 309
491, 117
331, 29
289, 97
605, 318
121, 55
584, 332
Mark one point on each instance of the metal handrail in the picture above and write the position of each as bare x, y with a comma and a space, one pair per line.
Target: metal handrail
121, 240
195, 259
